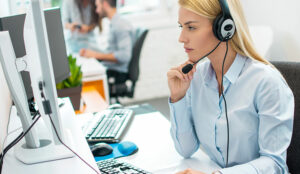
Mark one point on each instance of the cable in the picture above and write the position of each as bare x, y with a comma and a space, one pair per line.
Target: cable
15, 142
227, 155
209, 52
48, 112
10, 145
3, 144
2, 148
187, 68
55, 130
7, 134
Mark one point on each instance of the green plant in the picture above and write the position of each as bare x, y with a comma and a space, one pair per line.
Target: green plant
55, 3
75, 78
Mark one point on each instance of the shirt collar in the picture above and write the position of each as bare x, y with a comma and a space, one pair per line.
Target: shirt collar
236, 68
114, 18
232, 74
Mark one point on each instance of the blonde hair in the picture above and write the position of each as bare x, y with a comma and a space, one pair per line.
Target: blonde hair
241, 41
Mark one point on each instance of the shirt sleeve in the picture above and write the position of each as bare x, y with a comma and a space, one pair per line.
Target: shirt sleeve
275, 107
124, 46
182, 128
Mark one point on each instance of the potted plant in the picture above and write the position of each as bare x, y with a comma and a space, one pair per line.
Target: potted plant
72, 86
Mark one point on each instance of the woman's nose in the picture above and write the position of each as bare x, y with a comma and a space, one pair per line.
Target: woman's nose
182, 38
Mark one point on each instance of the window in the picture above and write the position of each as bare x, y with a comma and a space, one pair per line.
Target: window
124, 6
19, 6
137, 6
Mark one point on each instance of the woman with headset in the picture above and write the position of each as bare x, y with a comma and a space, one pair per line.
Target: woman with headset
236, 105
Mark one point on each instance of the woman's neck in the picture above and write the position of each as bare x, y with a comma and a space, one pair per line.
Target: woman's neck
217, 58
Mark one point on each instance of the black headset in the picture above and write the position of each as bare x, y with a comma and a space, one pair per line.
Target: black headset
223, 25
223, 29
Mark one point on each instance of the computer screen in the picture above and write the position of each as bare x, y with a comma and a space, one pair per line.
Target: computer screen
38, 62
15, 26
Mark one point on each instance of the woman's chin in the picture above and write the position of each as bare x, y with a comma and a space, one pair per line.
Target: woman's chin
192, 57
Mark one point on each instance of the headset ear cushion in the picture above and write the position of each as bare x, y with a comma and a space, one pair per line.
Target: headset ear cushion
217, 27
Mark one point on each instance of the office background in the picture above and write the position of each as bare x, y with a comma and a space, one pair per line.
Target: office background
162, 50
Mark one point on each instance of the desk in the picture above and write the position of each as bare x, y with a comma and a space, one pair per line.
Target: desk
94, 74
150, 132
93, 102
71, 165
157, 154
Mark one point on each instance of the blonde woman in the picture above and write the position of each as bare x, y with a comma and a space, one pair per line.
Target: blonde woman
235, 104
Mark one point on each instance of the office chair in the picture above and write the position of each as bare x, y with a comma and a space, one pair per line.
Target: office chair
291, 72
118, 82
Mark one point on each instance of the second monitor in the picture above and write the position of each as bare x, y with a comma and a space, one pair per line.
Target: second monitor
15, 26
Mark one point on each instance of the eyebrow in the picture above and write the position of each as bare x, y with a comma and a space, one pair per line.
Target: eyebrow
189, 22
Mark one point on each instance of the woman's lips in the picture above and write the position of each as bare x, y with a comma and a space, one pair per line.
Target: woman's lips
187, 50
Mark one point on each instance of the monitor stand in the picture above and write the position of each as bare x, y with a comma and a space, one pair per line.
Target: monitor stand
48, 150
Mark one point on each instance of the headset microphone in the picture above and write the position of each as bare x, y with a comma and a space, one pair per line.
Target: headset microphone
187, 68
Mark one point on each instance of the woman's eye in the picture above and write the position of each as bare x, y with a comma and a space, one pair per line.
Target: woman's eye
180, 26
191, 28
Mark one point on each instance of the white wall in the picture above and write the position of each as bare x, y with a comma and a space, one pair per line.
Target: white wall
4, 8
283, 16
162, 50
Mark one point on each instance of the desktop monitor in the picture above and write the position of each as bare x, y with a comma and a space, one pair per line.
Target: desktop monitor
38, 63
15, 26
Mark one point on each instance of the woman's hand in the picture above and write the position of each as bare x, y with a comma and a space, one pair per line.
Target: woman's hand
84, 29
179, 82
88, 53
190, 171
71, 26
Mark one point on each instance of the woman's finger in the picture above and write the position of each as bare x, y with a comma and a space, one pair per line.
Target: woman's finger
175, 73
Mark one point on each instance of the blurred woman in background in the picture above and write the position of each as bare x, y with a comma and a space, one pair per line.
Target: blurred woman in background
80, 19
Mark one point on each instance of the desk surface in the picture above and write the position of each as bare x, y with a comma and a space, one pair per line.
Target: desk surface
93, 102
71, 165
90, 67
150, 132
157, 154
93, 71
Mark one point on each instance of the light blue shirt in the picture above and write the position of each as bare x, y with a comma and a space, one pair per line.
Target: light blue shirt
120, 41
260, 109
71, 14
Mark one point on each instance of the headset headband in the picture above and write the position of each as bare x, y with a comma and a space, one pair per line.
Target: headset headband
225, 9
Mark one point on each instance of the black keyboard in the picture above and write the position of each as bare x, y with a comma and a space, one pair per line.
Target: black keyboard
107, 126
113, 166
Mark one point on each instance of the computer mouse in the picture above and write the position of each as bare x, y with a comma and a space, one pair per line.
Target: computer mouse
115, 106
101, 149
127, 148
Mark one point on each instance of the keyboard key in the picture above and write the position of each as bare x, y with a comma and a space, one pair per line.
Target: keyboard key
116, 166
108, 126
